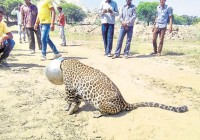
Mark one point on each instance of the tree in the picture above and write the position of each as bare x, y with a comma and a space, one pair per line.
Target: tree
34, 2
190, 19
8, 6
196, 20
146, 11
185, 20
179, 20
73, 12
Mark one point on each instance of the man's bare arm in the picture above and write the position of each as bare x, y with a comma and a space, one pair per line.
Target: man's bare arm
170, 24
36, 23
53, 16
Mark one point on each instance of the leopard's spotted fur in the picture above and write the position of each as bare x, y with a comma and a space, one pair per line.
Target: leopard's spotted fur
86, 83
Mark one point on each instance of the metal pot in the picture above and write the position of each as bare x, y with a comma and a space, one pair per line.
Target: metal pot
53, 71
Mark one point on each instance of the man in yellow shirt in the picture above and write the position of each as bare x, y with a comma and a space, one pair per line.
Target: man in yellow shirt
6, 41
46, 19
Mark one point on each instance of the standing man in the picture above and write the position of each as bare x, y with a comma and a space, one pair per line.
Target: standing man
29, 13
46, 19
61, 22
6, 41
164, 13
108, 11
127, 19
17, 12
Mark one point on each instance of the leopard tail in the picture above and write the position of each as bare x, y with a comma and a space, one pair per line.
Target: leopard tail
180, 109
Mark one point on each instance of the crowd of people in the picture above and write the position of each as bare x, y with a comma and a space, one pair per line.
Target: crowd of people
32, 19
39, 20
109, 11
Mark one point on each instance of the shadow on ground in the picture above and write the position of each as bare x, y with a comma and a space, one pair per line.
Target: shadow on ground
75, 58
14, 65
74, 45
145, 56
89, 108
19, 54
174, 53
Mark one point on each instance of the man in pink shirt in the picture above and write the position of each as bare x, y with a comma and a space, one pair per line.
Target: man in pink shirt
29, 13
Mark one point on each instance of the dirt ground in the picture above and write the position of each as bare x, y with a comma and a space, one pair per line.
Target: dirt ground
32, 108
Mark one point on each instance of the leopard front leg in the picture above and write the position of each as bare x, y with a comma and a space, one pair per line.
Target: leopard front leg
68, 105
73, 102
70, 97
69, 89
74, 107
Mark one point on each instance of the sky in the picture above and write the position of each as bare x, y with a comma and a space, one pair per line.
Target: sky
180, 7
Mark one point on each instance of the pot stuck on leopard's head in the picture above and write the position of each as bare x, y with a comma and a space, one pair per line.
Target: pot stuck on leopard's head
53, 71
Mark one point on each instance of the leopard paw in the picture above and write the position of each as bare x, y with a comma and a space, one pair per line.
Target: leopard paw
98, 114
67, 107
74, 108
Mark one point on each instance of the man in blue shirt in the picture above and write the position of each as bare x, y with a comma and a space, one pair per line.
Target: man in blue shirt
127, 19
164, 13
108, 11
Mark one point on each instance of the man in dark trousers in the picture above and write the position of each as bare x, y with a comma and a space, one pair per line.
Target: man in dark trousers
6, 41
29, 13
108, 11
164, 13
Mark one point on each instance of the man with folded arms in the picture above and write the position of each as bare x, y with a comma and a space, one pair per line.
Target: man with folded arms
108, 11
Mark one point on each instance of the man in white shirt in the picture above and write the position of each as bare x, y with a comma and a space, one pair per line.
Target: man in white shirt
108, 11
17, 12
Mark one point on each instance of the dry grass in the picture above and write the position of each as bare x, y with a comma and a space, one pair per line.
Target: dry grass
180, 51
185, 52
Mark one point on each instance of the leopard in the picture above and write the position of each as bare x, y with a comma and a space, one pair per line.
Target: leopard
85, 83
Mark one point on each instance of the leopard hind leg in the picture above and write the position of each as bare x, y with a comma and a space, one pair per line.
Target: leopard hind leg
106, 108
